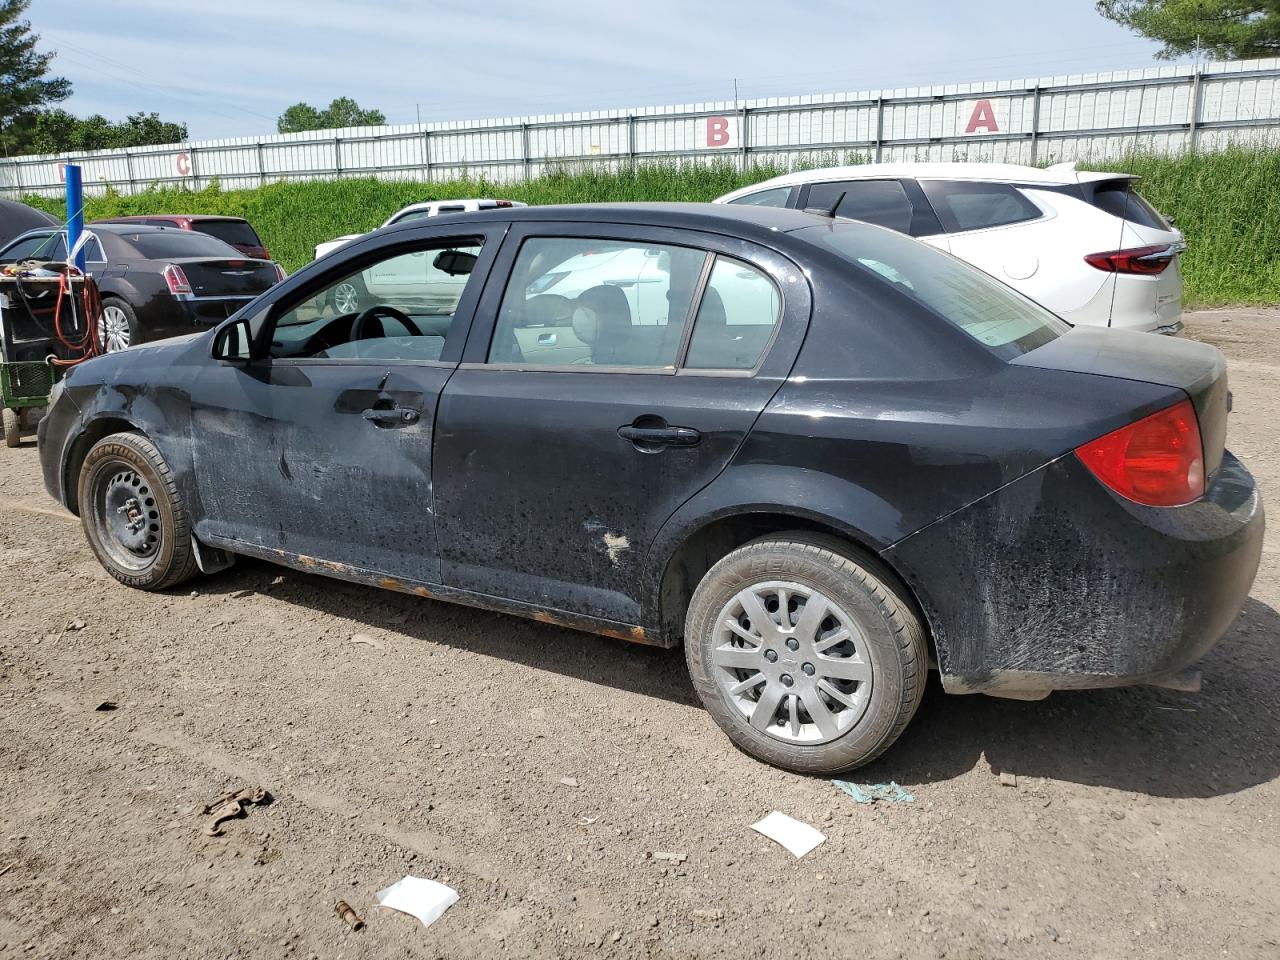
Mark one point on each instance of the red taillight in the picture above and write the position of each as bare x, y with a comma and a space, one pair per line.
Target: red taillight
176, 279
1147, 261
502, 203
266, 254
280, 274
1158, 460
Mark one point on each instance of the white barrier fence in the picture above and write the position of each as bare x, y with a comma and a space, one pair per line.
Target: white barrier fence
1167, 109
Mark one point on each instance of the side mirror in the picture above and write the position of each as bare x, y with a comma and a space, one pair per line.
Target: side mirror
234, 343
456, 263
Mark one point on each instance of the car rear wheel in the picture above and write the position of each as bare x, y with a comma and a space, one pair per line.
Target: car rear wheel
132, 514
808, 659
348, 296
117, 326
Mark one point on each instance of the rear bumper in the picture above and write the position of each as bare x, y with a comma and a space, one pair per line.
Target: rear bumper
1052, 582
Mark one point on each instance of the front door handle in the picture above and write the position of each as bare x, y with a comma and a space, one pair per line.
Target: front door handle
386, 417
660, 436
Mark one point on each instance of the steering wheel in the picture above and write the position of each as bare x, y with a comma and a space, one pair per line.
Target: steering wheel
373, 314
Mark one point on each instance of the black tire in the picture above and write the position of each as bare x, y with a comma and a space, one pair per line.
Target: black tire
12, 426
136, 335
167, 556
894, 637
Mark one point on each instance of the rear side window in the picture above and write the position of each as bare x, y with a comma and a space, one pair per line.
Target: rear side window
582, 303
882, 202
1118, 198
995, 315
47, 247
229, 231
177, 243
736, 318
976, 206
776, 197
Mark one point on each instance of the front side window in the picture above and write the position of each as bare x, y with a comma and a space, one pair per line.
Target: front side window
964, 206
776, 197
882, 202
400, 308
988, 311
43, 247
596, 303
736, 318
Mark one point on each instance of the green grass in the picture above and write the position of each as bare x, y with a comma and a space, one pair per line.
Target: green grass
1227, 204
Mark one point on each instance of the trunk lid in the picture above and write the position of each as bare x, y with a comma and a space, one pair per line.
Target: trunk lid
1195, 368
226, 277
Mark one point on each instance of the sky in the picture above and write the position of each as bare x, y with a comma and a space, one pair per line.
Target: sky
229, 68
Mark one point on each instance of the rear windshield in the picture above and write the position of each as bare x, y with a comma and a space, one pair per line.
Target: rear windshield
998, 317
159, 245
231, 231
1118, 198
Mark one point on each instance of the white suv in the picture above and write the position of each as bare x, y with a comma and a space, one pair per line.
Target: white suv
416, 211
1085, 245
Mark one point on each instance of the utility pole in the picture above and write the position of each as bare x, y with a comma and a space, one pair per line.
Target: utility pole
418, 107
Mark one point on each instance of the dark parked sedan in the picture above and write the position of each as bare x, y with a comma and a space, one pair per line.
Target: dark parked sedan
819, 453
155, 282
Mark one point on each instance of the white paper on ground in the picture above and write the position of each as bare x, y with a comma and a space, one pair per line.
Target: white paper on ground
797, 837
424, 899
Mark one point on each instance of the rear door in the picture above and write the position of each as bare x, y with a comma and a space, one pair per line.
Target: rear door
554, 471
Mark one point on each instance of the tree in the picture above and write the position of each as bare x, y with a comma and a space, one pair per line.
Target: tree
341, 112
57, 131
1225, 29
24, 86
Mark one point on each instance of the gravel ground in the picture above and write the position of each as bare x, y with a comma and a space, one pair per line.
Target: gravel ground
538, 771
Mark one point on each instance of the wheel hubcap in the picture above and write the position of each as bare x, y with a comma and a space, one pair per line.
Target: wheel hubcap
792, 662
113, 329
346, 298
128, 519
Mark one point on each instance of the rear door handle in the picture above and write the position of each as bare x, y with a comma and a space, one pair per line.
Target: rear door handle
660, 436
381, 417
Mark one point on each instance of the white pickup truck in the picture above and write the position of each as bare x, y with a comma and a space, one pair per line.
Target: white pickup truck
417, 211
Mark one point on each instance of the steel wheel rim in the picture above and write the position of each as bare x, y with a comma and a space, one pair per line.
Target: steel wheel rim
346, 297
113, 329
804, 677
126, 517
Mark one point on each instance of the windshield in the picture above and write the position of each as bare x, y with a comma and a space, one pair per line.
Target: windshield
995, 315
164, 244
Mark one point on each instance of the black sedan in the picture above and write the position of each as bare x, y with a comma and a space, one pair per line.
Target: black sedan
155, 282
820, 454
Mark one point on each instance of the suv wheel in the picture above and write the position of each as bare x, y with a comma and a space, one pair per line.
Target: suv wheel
808, 659
132, 514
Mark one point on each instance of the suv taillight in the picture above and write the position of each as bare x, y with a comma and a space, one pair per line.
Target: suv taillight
1141, 260
176, 279
1157, 461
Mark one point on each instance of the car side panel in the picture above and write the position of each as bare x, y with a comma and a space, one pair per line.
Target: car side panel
1055, 582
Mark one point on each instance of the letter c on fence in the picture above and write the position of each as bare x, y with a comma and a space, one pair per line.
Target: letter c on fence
983, 116
717, 131
183, 162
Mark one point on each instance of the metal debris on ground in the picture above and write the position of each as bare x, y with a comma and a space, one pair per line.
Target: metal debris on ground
241, 594
1008, 779
230, 806
106, 705
875, 792
349, 916
367, 640
418, 897
796, 836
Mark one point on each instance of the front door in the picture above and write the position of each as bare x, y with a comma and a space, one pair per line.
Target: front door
321, 451
583, 417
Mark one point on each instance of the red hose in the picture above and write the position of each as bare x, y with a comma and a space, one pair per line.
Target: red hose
86, 345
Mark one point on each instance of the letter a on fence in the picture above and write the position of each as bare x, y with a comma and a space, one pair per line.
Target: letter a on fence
983, 118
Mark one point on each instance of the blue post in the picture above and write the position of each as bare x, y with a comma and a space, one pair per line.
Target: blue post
75, 210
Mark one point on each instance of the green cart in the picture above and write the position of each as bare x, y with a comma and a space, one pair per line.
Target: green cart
23, 384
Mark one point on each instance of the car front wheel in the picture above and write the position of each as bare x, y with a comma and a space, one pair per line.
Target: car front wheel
808, 659
133, 515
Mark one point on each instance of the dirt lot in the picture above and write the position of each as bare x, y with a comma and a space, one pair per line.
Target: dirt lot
1144, 822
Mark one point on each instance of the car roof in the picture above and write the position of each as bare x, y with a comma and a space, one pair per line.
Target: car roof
710, 217
1060, 174
133, 218
431, 204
